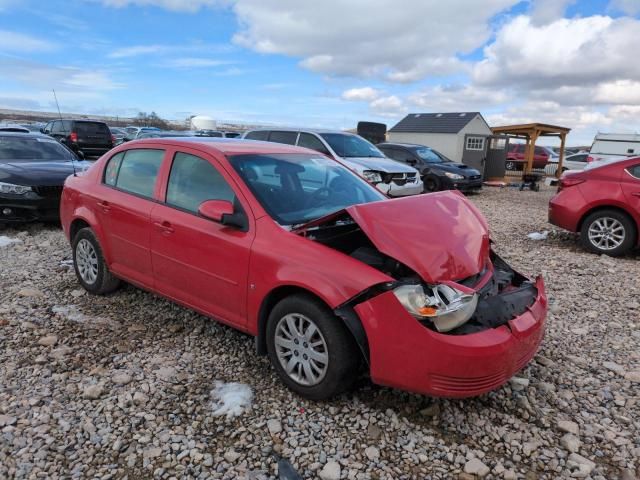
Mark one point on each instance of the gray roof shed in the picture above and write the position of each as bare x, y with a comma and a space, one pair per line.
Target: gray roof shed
435, 122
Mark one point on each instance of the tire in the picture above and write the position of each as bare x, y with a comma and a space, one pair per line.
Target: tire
332, 338
611, 221
431, 183
510, 165
94, 277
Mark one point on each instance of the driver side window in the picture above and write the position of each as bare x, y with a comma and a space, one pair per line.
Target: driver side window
194, 180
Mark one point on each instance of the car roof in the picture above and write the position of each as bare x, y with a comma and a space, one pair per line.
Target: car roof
290, 129
397, 144
226, 146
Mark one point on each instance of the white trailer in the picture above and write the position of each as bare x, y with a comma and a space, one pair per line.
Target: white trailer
615, 145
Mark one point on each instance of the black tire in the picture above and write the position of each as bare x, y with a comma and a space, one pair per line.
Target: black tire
431, 183
628, 226
344, 358
510, 165
105, 282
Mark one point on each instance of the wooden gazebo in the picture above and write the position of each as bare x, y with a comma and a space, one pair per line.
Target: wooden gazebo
531, 132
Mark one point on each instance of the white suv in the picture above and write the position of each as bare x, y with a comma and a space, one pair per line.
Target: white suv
356, 153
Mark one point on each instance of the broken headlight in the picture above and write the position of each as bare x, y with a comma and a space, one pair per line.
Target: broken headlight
445, 307
14, 189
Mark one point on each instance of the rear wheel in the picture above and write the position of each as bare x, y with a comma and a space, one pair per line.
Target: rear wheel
90, 266
511, 165
310, 348
609, 232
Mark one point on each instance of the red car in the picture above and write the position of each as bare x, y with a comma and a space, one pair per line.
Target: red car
326, 272
516, 157
601, 203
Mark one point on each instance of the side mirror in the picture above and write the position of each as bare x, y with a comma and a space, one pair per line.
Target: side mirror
80, 154
412, 161
216, 210
42, 130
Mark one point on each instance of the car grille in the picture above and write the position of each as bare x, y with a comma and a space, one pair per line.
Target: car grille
403, 178
48, 191
474, 177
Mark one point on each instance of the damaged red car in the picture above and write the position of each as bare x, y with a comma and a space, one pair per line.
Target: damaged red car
330, 276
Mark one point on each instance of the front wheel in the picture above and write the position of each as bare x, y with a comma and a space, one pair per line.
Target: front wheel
431, 183
90, 266
608, 232
511, 165
310, 348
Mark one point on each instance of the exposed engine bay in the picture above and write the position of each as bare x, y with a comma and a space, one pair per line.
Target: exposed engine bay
505, 295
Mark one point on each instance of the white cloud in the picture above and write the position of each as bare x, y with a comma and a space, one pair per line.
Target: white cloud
390, 106
365, 94
547, 11
401, 43
195, 62
630, 7
458, 97
137, 50
19, 42
578, 51
189, 6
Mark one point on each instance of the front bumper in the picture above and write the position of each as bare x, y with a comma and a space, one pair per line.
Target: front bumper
405, 354
394, 190
29, 207
465, 185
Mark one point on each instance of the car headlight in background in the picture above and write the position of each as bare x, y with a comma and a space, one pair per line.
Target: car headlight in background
454, 176
14, 189
371, 176
444, 306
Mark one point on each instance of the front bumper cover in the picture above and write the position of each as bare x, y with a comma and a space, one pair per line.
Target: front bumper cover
405, 354
29, 207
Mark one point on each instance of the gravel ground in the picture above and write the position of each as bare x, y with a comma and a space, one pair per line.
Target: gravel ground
121, 386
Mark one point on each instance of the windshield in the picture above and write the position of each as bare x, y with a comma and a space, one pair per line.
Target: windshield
351, 145
298, 188
431, 156
32, 148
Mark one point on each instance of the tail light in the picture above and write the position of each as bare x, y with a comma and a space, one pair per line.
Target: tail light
590, 159
113, 139
73, 136
566, 182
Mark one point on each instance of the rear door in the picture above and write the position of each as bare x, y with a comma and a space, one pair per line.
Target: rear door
631, 187
123, 204
197, 261
92, 134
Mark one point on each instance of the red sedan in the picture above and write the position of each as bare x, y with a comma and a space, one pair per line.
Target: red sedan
601, 203
328, 274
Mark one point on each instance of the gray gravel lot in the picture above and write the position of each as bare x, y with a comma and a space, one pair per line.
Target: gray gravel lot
120, 386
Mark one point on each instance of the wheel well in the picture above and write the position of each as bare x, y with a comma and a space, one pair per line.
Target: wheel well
608, 207
77, 225
351, 320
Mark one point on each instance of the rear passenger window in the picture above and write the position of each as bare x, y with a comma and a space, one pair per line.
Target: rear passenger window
283, 137
257, 135
111, 172
138, 171
194, 180
635, 171
307, 140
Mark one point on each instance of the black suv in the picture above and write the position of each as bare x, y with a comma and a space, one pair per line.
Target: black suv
87, 136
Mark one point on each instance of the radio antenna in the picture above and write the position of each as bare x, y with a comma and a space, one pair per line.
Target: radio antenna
73, 163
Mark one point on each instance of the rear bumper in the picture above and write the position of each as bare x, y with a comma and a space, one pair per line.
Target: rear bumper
404, 354
565, 212
29, 208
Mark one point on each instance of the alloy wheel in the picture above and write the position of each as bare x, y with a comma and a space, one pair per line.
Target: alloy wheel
606, 233
301, 349
87, 261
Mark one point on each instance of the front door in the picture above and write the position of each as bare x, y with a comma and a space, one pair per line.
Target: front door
123, 205
631, 187
496, 156
197, 261
474, 152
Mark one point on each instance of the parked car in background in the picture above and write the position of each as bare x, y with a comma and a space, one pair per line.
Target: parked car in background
602, 204
33, 168
614, 145
329, 275
571, 162
166, 133
361, 156
232, 134
209, 133
437, 171
516, 157
118, 134
134, 132
14, 128
90, 137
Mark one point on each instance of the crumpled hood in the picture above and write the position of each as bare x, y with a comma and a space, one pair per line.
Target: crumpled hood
441, 236
377, 164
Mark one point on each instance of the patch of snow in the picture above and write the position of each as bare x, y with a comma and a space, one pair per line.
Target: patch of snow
6, 241
71, 312
538, 235
231, 399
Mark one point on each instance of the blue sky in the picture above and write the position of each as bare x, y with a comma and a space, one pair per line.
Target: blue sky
326, 63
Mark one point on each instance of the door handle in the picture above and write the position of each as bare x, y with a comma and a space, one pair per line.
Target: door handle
104, 205
164, 226
636, 194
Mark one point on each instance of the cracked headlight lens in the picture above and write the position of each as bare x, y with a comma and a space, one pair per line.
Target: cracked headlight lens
446, 307
371, 176
14, 189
